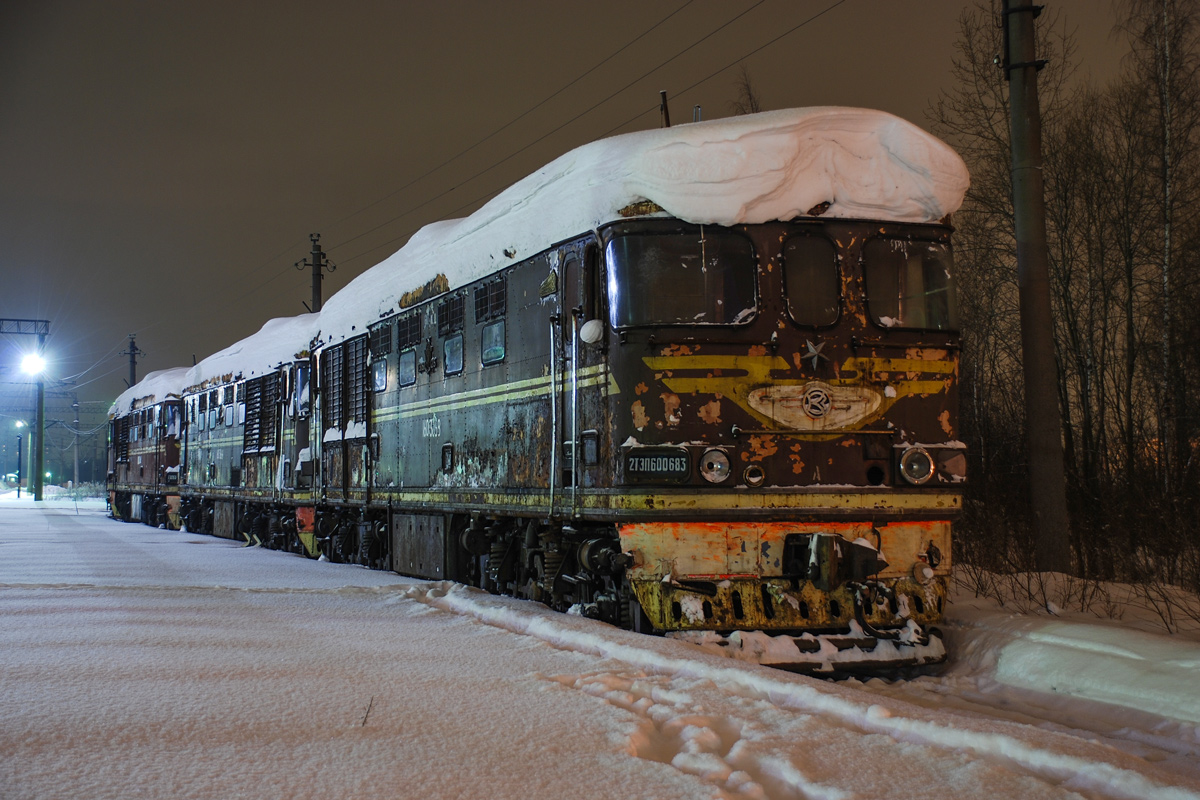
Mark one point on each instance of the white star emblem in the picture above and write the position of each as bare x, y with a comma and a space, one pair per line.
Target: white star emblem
814, 352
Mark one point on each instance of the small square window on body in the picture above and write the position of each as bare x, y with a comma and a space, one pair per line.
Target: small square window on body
406, 368
379, 374
492, 343
452, 353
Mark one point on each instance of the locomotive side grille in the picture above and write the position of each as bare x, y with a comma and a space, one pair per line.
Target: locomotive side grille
253, 394
357, 370
270, 410
262, 397
122, 438
333, 391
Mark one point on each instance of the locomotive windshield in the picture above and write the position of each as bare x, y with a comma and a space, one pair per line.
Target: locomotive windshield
704, 278
910, 284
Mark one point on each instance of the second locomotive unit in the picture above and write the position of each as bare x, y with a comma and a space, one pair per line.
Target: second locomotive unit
700, 379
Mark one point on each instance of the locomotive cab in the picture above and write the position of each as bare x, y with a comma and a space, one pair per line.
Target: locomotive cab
786, 423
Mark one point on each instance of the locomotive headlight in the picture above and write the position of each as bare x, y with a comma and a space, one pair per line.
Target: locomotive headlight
916, 466
714, 465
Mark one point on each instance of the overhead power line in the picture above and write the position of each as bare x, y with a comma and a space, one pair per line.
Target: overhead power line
551, 132
544, 136
453, 158
710, 76
733, 63
506, 125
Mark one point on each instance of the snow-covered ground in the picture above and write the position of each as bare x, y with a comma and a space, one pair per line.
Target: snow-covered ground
148, 663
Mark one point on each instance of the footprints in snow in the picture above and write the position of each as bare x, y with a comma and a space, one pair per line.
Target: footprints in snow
674, 730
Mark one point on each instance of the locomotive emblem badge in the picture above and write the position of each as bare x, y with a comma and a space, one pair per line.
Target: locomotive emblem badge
816, 402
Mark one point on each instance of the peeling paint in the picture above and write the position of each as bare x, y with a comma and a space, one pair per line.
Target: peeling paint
944, 419
926, 354
641, 389
670, 408
640, 419
762, 447
710, 412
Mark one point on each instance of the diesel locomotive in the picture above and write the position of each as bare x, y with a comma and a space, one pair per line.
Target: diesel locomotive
697, 380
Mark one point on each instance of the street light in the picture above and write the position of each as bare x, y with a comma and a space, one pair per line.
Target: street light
20, 424
34, 364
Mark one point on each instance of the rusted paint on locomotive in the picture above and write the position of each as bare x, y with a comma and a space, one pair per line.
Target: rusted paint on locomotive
145, 463
691, 457
729, 566
807, 426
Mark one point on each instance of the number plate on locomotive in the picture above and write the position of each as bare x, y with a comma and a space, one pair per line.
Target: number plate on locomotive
666, 463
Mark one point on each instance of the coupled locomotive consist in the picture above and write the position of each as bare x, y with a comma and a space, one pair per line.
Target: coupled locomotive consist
670, 416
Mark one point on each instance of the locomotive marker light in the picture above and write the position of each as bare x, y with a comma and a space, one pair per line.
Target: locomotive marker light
916, 466
754, 476
714, 465
591, 332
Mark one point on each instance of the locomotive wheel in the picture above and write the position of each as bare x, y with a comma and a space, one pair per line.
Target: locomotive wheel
346, 544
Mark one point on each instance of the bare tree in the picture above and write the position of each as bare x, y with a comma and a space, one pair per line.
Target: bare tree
1122, 176
1165, 35
747, 101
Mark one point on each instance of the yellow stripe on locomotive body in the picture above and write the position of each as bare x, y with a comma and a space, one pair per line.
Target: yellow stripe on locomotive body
753, 382
532, 388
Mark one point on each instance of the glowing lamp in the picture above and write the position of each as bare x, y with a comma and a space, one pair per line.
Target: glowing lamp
33, 364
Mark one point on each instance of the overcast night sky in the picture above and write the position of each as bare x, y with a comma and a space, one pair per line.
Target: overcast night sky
164, 163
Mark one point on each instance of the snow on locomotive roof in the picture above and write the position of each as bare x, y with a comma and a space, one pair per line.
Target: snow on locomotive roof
776, 165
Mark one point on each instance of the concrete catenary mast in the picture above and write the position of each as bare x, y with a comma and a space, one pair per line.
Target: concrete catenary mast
1043, 417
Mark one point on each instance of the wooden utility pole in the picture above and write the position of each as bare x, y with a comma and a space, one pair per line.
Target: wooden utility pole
1043, 418
318, 263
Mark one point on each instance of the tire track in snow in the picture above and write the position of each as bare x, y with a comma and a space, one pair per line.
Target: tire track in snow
1057, 759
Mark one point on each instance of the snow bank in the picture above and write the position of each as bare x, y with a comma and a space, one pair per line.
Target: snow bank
778, 165
1112, 665
1078, 657
1043, 754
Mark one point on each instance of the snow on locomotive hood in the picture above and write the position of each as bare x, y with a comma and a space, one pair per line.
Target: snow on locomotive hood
776, 165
